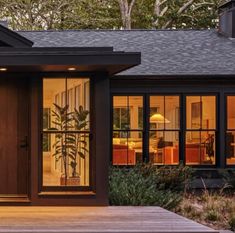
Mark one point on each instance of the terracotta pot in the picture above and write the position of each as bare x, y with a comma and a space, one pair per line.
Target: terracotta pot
71, 181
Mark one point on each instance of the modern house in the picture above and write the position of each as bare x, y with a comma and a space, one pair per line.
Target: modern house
72, 102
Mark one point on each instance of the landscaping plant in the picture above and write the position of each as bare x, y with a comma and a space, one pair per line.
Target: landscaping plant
146, 184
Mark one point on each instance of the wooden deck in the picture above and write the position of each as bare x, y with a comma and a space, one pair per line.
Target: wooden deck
95, 219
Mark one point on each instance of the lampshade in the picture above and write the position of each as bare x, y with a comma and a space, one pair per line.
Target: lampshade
158, 118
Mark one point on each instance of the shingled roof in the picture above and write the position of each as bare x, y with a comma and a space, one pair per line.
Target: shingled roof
164, 52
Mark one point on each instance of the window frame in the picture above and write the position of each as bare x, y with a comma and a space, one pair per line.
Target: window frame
226, 95
75, 190
182, 130
126, 130
216, 131
164, 129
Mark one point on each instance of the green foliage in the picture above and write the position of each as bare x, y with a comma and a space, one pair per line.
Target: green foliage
229, 177
174, 178
106, 14
144, 184
70, 145
231, 222
212, 215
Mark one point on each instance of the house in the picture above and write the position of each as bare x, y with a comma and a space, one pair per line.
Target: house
72, 101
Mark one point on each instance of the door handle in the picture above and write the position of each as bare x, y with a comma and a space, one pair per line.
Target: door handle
24, 142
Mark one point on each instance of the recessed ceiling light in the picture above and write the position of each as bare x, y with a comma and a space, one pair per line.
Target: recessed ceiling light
3, 69
71, 68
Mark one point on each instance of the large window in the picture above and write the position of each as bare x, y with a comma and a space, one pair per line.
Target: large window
150, 128
200, 140
230, 131
66, 130
164, 124
127, 130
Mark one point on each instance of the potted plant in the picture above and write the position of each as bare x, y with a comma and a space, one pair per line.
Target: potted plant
68, 146
77, 143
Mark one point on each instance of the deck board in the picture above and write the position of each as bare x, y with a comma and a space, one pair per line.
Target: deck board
95, 219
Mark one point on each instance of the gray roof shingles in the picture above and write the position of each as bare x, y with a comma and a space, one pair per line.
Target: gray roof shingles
163, 52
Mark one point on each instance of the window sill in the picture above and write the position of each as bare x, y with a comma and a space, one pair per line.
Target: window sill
67, 193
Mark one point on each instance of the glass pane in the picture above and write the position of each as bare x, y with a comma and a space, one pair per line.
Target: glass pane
208, 112
78, 100
71, 116
120, 113
66, 163
164, 147
52, 90
193, 148
231, 112
209, 143
172, 113
200, 148
136, 116
46, 143
127, 147
127, 112
230, 147
193, 112
157, 118
201, 112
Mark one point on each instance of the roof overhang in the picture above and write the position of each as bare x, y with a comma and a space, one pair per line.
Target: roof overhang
12, 39
50, 59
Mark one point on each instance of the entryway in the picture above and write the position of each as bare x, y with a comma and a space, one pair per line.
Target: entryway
14, 135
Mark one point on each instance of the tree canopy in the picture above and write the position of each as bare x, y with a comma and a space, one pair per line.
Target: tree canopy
109, 14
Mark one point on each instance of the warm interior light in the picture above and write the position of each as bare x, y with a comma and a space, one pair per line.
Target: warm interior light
3, 69
158, 118
71, 68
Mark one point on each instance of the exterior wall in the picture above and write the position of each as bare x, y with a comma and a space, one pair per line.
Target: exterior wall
98, 192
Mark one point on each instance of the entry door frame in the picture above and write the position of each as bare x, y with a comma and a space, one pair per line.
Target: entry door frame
97, 195
21, 142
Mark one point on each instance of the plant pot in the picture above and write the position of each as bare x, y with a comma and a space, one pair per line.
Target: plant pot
71, 181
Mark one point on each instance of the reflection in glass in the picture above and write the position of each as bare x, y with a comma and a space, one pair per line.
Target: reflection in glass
66, 160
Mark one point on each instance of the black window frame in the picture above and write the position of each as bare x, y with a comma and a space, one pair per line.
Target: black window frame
182, 130
226, 95
65, 189
216, 131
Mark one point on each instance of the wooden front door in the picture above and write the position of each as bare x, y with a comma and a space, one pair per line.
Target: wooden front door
14, 128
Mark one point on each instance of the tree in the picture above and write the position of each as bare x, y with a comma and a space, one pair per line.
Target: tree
37, 14
185, 13
126, 10
109, 14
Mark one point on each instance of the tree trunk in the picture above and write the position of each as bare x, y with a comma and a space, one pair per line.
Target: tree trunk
126, 10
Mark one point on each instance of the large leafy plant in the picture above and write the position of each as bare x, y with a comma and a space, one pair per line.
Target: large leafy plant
77, 142
68, 146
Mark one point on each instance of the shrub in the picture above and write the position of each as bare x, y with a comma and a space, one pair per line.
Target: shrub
175, 178
145, 184
231, 222
229, 177
212, 215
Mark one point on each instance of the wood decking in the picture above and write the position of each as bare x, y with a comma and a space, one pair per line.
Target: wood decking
95, 219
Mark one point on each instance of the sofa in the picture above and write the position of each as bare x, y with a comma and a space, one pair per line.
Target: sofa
123, 155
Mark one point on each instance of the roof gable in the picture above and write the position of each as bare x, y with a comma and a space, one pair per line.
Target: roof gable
9, 38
